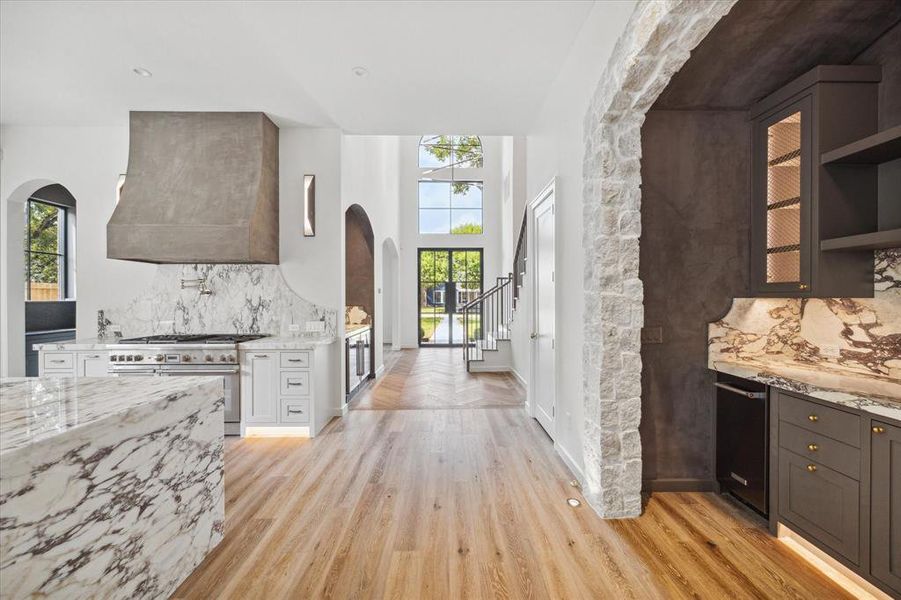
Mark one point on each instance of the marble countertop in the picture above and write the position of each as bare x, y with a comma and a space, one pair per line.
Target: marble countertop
76, 344
350, 330
34, 409
273, 342
285, 342
872, 394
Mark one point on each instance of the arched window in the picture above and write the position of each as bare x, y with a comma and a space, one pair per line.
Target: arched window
450, 184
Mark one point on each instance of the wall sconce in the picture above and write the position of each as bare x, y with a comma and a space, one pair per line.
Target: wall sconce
309, 205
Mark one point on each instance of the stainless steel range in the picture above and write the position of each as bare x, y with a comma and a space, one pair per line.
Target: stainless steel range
186, 355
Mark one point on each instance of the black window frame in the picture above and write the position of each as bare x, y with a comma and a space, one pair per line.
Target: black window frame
63, 227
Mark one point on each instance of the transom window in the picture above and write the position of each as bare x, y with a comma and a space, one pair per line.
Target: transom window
450, 184
45, 251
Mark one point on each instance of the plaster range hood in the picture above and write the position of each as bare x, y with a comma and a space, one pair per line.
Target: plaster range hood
201, 187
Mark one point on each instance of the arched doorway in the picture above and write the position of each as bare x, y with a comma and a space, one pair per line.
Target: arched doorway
40, 217
359, 293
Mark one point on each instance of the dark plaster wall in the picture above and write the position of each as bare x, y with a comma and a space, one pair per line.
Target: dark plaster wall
694, 260
359, 277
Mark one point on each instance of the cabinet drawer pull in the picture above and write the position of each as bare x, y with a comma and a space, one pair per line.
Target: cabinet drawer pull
878, 429
813, 418
812, 468
803, 286
295, 360
57, 361
292, 411
261, 356
93, 356
812, 447
295, 384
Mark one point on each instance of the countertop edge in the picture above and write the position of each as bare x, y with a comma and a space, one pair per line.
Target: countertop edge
869, 403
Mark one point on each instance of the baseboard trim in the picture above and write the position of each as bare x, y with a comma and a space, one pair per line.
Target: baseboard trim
476, 368
678, 485
379, 371
519, 378
570, 464
345, 408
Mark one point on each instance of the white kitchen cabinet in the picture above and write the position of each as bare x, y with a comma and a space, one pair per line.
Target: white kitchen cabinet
288, 392
61, 363
92, 364
259, 387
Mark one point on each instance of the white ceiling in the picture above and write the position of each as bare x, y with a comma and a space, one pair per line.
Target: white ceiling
480, 67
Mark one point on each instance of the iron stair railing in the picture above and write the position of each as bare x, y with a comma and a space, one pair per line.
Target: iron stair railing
486, 319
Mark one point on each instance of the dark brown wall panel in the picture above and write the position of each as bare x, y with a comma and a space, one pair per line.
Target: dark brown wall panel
694, 260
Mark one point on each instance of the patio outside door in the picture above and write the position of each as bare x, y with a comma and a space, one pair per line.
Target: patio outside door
448, 279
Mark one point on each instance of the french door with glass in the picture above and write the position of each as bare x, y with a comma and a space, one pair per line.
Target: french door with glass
449, 278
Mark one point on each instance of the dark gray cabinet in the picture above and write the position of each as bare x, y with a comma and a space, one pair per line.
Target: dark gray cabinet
885, 504
820, 502
796, 201
835, 479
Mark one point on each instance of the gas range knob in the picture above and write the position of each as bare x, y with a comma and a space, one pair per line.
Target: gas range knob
129, 358
138, 358
208, 358
158, 358
223, 358
185, 358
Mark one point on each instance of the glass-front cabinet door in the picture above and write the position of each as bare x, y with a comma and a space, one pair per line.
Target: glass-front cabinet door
781, 202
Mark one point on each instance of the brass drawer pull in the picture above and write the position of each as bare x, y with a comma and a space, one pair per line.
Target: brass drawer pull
878, 429
813, 418
812, 447
812, 468
803, 286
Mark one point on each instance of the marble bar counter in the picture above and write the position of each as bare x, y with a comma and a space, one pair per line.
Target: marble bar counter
109, 487
274, 342
868, 393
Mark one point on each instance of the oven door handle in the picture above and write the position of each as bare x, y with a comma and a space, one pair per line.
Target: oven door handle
738, 390
200, 372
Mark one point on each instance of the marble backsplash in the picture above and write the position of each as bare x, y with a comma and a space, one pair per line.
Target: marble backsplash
858, 335
244, 298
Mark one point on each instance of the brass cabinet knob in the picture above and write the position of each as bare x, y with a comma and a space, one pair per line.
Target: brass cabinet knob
811, 468
813, 418
812, 447
803, 286
878, 429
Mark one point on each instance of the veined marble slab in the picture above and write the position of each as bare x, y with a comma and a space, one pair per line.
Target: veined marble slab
74, 345
109, 487
286, 343
877, 395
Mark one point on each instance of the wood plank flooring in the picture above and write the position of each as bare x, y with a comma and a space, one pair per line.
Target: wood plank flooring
467, 503
436, 378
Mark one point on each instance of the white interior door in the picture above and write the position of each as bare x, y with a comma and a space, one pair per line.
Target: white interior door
543, 331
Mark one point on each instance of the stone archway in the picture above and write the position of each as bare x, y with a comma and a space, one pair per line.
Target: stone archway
656, 43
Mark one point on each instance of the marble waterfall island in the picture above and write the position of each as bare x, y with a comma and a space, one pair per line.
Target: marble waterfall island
109, 487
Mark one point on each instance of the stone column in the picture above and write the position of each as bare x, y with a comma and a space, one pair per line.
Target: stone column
656, 43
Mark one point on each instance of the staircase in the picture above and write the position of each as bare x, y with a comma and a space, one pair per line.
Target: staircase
487, 319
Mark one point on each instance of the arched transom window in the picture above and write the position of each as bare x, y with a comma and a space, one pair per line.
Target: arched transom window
450, 184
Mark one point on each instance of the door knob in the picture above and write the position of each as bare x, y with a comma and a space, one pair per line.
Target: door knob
533, 336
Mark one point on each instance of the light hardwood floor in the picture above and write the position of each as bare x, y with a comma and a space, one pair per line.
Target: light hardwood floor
436, 378
467, 503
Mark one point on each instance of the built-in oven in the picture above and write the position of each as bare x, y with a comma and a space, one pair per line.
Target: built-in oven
742, 441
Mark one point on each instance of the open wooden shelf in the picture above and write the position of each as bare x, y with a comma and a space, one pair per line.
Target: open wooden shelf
872, 150
878, 240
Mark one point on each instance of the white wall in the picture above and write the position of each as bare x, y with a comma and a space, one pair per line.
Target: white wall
411, 240
87, 161
370, 178
555, 148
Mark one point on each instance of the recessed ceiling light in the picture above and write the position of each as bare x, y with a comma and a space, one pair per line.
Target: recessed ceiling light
360, 71
574, 502
142, 72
